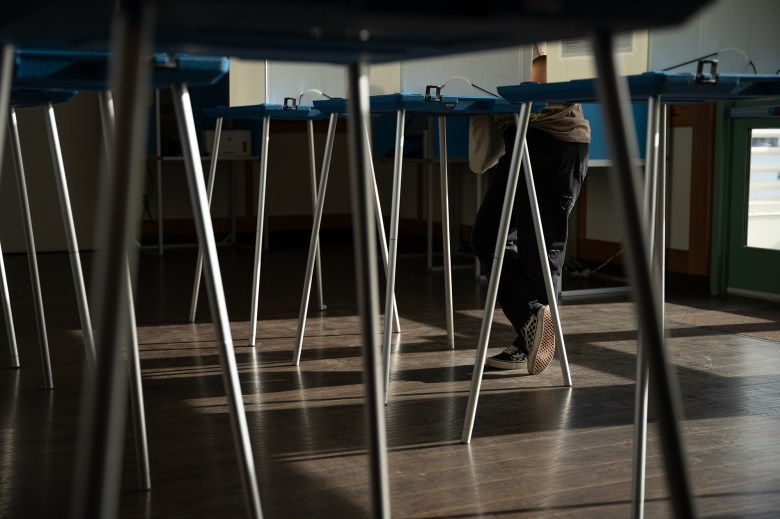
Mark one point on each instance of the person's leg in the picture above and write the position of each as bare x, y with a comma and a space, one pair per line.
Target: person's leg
514, 289
558, 168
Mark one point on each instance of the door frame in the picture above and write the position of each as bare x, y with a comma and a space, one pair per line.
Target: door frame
729, 256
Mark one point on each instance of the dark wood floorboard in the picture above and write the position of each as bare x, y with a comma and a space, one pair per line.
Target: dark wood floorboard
539, 449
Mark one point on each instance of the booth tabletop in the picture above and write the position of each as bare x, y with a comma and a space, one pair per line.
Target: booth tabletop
672, 87
273, 110
88, 70
27, 98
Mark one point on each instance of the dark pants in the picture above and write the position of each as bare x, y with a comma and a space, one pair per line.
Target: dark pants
559, 169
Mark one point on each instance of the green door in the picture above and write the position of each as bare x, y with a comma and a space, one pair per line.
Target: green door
754, 219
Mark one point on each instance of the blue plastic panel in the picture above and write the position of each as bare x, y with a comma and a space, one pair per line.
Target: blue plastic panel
598, 141
274, 111
79, 70
672, 87
391, 103
23, 98
679, 87
184, 68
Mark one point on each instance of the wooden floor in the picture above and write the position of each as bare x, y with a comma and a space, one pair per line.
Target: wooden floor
539, 449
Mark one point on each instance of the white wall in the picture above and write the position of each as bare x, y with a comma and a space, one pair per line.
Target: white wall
255, 82
461, 74
737, 30
78, 123
572, 59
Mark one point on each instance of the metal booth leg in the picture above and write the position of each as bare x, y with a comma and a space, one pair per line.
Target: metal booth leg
216, 295
654, 207
641, 389
101, 432
6, 78
313, 174
314, 239
445, 232
614, 96
8, 314
134, 365
550, 289
137, 394
32, 255
209, 194
498, 260
70, 234
541, 246
313, 244
392, 243
367, 283
133, 355
260, 222
380, 226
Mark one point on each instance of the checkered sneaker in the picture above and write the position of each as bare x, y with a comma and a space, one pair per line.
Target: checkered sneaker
511, 358
539, 336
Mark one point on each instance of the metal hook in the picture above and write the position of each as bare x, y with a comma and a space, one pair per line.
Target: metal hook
433, 93
712, 77
290, 103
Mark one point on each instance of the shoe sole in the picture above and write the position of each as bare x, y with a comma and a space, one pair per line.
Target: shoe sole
504, 364
542, 353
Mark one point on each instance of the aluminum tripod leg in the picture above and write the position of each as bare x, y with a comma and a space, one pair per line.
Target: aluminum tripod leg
613, 93
390, 314
313, 174
445, 224
101, 432
133, 356
445, 233
70, 234
216, 295
6, 78
261, 183
545, 266
392, 245
380, 225
209, 194
498, 259
367, 284
541, 246
137, 395
654, 209
32, 256
315, 236
314, 239
8, 314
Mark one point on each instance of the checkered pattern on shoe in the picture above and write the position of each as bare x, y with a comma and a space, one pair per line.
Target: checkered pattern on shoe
539, 336
511, 358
